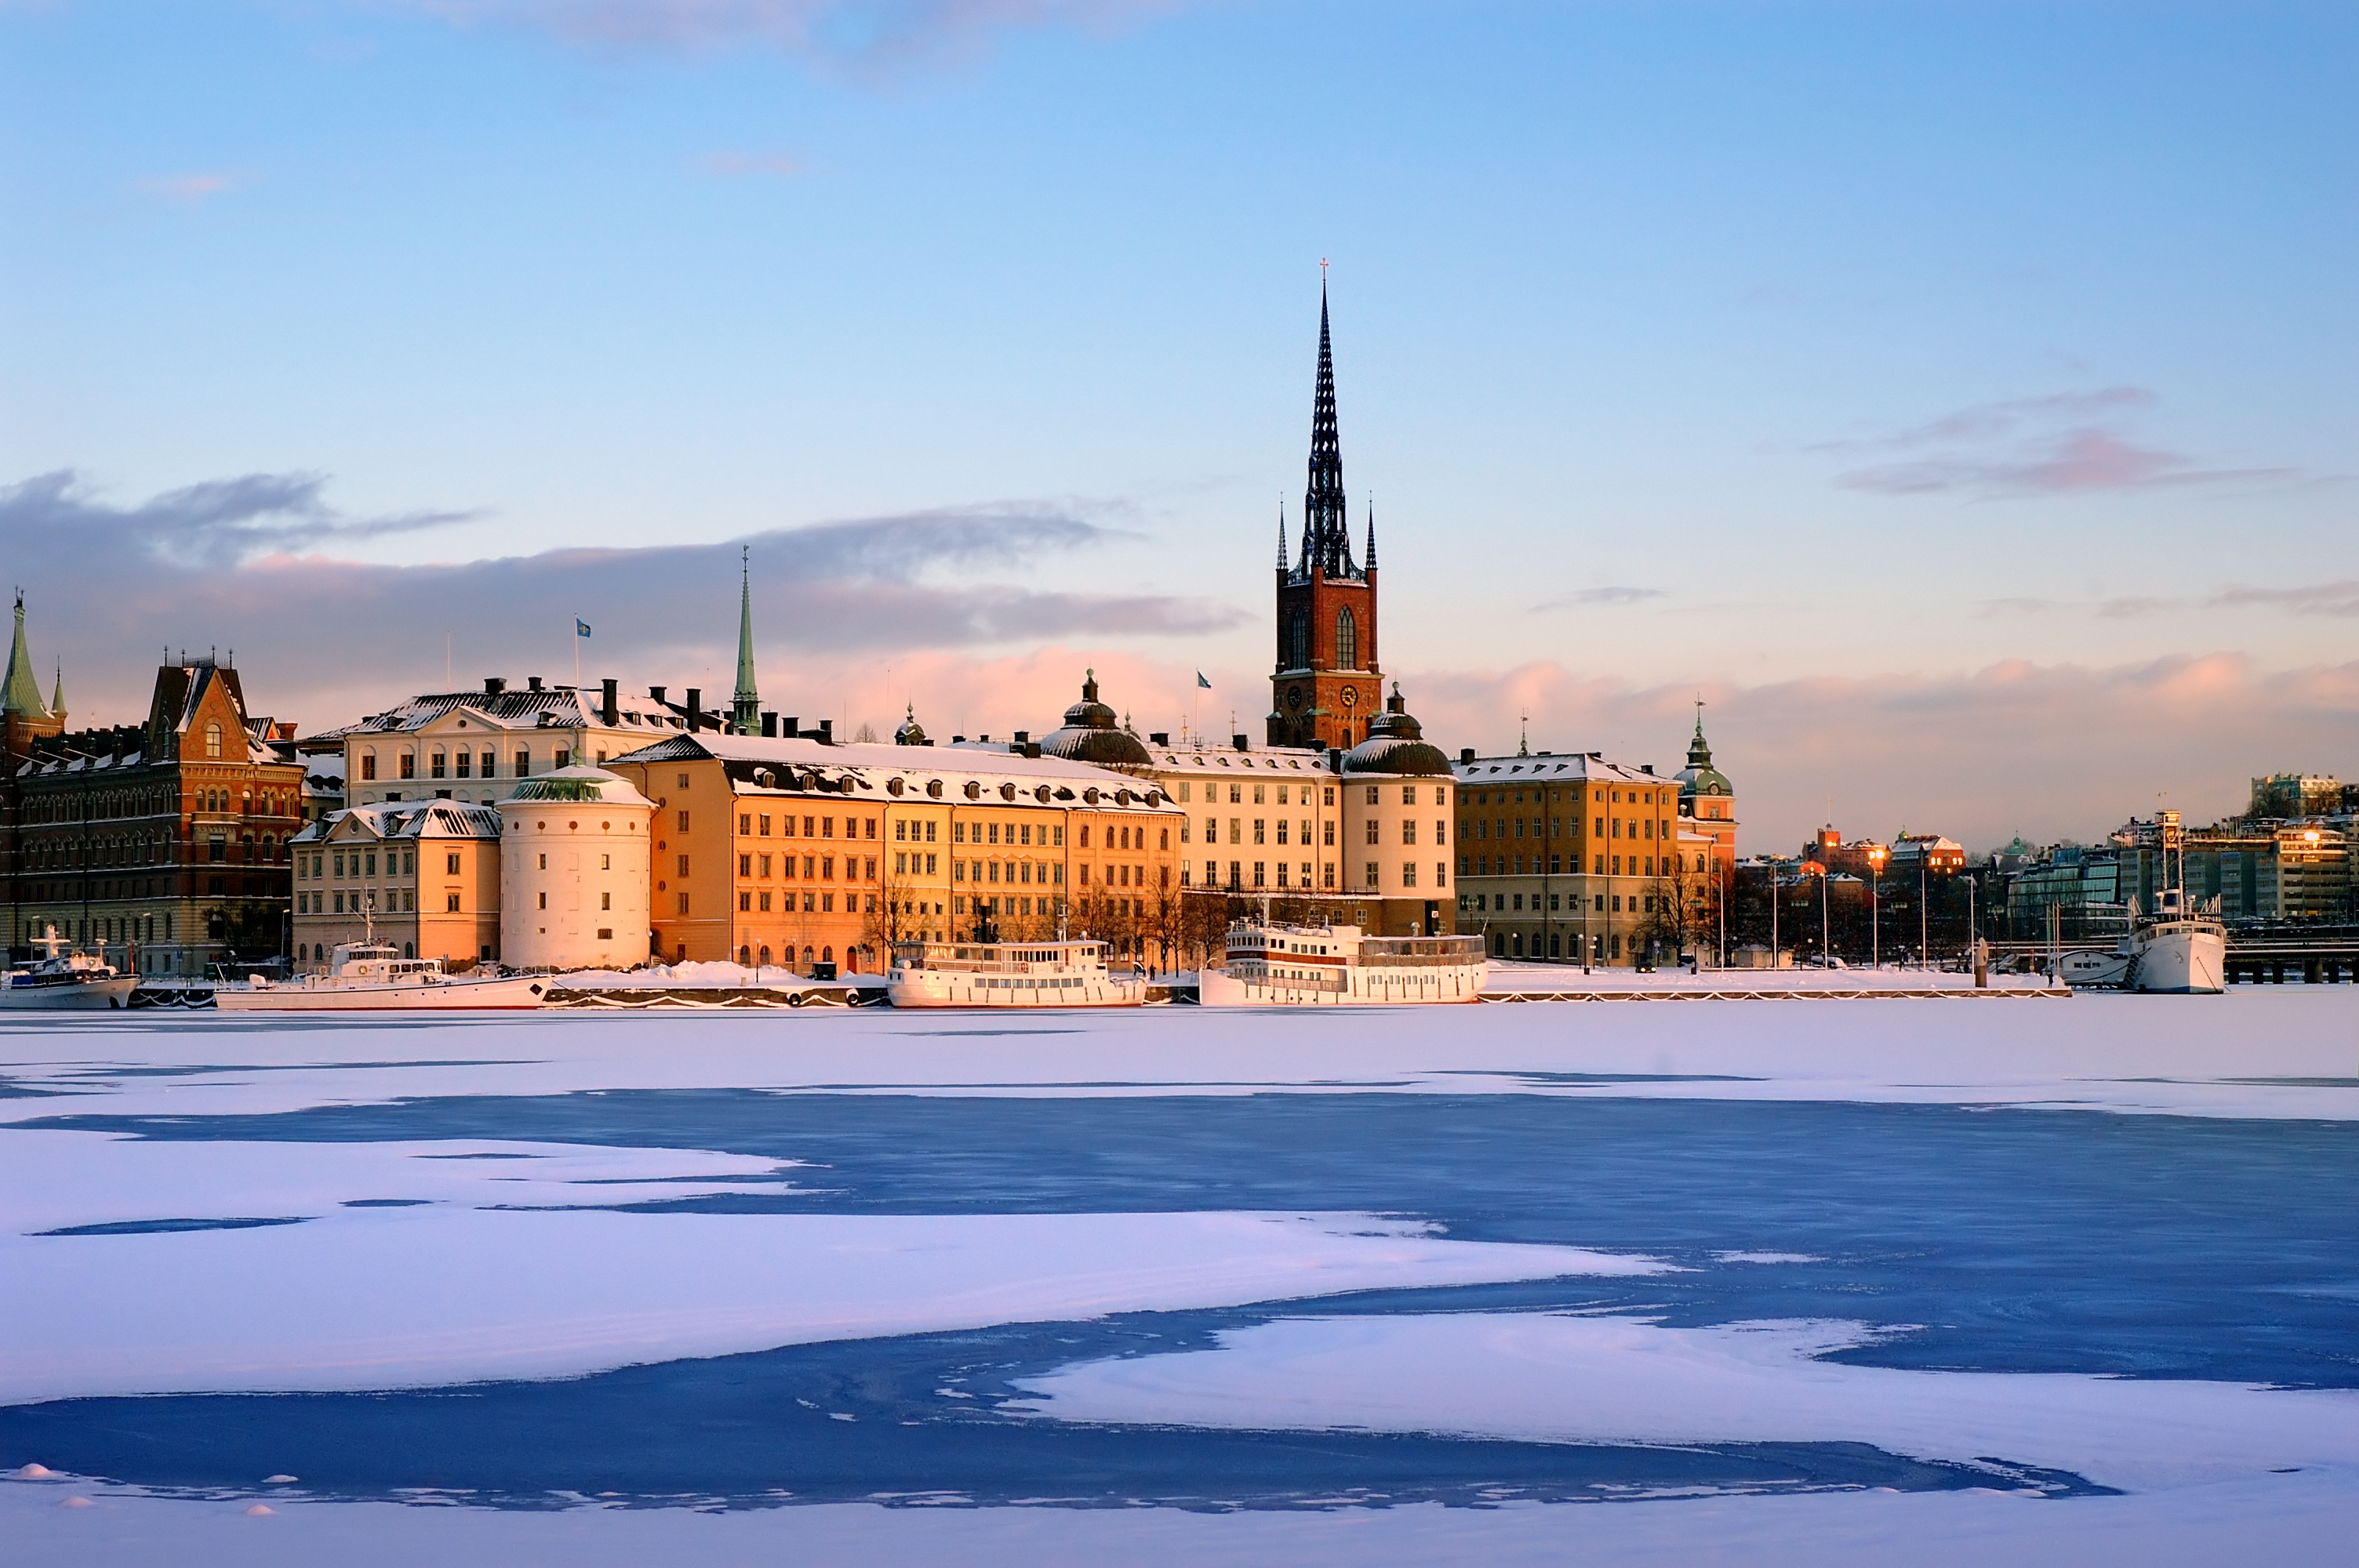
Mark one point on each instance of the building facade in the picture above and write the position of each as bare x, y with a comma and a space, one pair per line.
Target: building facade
576, 872
798, 853
1573, 857
423, 875
165, 843
471, 746
1327, 684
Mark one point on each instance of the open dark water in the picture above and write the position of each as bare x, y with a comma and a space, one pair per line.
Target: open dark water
2011, 1240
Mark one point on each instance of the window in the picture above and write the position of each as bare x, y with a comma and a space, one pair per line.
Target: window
1409, 831
606, 863
744, 824
1347, 640
523, 763
1236, 795
744, 865
466, 761
1257, 830
368, 765
563, 758
744, 903
607, 901
409, 764
683, 865
451, 903
437, 766
544, 900
683, 903
1261, 795
1408, 873
1183, 789
213, 738
452, 869
1372, 829
1372, 873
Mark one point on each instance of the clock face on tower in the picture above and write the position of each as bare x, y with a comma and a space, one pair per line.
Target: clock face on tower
1294, 697
1351, 696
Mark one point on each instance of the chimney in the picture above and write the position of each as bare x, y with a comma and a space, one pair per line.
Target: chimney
655, 694
1334, 759
827, 732
1465, 755
494, 686
790, 727
1022, 736
532, 683
770, 725
1645, 767
610, 713
695, 708
1242, 743
1158, 737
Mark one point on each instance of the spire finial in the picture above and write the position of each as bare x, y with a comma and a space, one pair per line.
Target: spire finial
1524, 735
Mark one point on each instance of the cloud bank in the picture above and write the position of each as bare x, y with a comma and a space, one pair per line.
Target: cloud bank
2061, 444
238, 564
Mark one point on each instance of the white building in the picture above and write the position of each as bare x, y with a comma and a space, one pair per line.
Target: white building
472, 745
574, 872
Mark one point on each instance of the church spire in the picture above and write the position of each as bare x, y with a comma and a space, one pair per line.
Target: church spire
21, 692
1281, 536
1699, 749
746, 709
1372, 534
1326, 529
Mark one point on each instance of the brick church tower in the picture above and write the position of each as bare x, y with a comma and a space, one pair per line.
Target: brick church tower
1328, 684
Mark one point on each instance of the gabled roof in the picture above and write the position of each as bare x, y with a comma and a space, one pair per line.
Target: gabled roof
551, 708
410, 819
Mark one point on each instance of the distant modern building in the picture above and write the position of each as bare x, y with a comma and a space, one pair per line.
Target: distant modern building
2291, 796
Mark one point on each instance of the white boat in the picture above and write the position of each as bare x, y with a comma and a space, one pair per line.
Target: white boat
1007, 974
1329, 966
2179, 952
371, 977
2176, 950
59, 979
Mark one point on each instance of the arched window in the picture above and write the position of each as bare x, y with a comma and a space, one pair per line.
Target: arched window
1297, 640
765, 955
212, 739
1347, 640
745, 958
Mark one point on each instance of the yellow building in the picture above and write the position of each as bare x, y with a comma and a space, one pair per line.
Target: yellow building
423, 875
801, 854
1557, 853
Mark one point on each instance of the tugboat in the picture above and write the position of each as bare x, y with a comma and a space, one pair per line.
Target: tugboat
371, 977
61, 978
1331, 966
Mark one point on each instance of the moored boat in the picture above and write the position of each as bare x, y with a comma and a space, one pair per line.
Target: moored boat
1007, 974
61, 978
371, 977
1316, 965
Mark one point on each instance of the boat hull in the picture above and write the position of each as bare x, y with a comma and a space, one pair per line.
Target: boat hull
1218, 988
86, 994
955, 988
2183, 963
519, 993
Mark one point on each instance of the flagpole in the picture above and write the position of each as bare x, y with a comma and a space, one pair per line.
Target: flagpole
577, 654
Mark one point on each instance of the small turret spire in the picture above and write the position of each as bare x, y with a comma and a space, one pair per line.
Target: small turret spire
58, 698
746, 715
21, 692
1372, 534
1281, 536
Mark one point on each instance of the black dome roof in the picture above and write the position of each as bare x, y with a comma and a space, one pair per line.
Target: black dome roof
1090, 735
1395, 744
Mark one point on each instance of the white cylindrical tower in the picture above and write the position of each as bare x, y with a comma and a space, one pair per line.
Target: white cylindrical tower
574, 872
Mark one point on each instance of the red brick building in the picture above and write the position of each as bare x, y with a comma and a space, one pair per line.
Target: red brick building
162, 843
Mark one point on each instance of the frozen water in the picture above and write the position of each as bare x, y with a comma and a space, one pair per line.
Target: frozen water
1717, 1255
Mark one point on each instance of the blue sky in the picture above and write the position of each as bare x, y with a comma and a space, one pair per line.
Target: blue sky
1959, 397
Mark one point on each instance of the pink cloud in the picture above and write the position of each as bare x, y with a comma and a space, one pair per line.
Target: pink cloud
198, 187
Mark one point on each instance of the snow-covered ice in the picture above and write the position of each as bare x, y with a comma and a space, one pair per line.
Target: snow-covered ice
1118, 1257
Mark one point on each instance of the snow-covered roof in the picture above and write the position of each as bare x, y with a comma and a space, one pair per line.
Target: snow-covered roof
551, 708
1201, 751
1561, 768
403, 820
796, 766
576, 784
